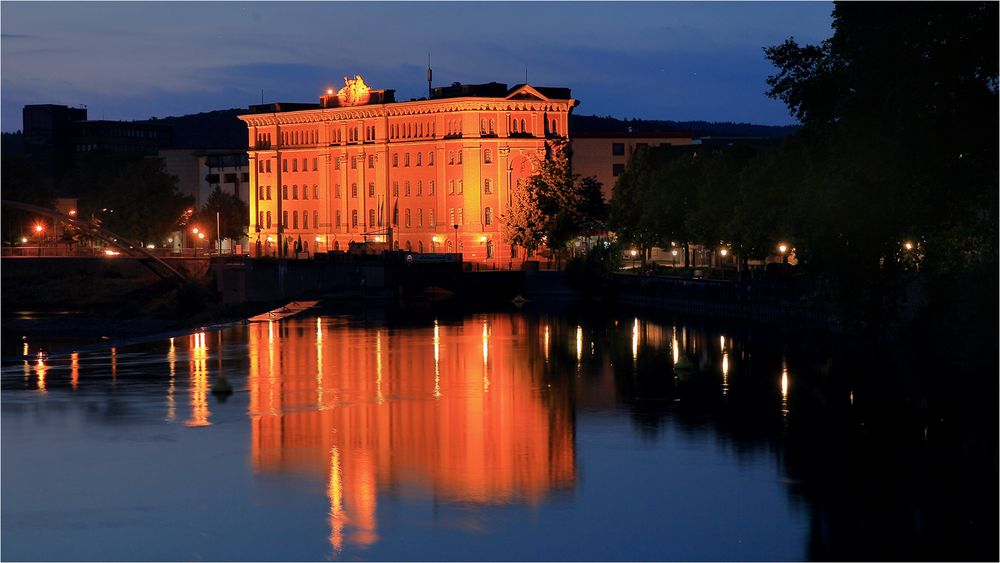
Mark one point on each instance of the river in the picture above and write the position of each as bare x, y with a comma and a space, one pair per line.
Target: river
507, 434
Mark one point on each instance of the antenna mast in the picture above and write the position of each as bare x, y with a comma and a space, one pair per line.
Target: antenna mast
429, 75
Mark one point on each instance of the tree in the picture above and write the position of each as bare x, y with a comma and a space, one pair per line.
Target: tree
554, 205
234, 215
132, 196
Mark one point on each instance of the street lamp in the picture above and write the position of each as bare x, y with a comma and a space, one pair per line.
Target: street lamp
908, 245
38, 231
633, 253
673, 262
782, 249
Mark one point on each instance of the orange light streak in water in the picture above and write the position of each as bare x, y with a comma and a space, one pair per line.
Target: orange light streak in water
172, 362
27, 365
114, 364
635, 340
579, 344
486, 357
335, 491
674, 348
319, 363
40, 370
74, 369
784, 388
437, 360
546, 343
725, 372
199, 382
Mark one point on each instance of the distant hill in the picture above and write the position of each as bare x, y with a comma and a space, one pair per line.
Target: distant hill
596, 124
218, 129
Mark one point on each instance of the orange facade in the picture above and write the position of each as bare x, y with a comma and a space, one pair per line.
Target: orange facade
364, 168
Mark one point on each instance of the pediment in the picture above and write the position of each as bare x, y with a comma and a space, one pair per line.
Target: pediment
526, 92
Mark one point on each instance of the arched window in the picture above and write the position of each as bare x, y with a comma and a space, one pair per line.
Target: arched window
395, 160
420, 156
489, 249
553, 128
295, 191
488, 156
395, 189
487, 186
395, 245
268, 219
305, 219
336, 245
488, 216
409, 246
513, 126
523, 128
420, 246
269, 192
260, 219
459, 161
430, 158
406, 215
371, 217
284, 192
492, 130
371, 189
420, 187
295, 219
354, 217
354, 189
315, 219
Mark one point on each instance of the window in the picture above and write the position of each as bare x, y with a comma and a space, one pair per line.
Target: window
420, 246
371, 189
420, 217
451, 215
315, 219
406, 159
513, 126
489, 249
295, 219
295, 165
407, 215
523, 128
337, 219
371, 217
487, 186
354, 189
354, 217
305, 219
295, 191
371, 161
395, 189
461, 216
420, 156
260, 218
409, 246
617, 149
284, 192
451, 186
406, 188
395, 215
395, 160
430, 216
260, 192
336, 191
336, 163
305, 164
268, 167
488, 216
315, 191
488, 156
260, 166
617, 169
430, 158
482, 127
336, 245
269, 192
354, 163
315, 164
284, 219
420, 187
492, 130
284, 165
459, 186
268, 219
451, 157
430, 188
459, 160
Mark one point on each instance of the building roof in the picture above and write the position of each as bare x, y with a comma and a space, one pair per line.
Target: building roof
632, 135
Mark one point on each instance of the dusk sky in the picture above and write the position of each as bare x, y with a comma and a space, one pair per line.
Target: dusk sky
678, 61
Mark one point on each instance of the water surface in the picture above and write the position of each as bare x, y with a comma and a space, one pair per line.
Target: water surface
503, 435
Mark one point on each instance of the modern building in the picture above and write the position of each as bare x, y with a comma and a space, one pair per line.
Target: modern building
56, 136
427, 175
604, 155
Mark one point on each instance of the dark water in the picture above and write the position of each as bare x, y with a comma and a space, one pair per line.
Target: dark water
510, 435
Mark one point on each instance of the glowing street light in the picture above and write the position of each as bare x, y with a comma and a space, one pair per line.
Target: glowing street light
724, 252
908, 245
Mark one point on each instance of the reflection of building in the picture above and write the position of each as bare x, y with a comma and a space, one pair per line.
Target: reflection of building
448, 409
604, 155
56, 136
361, 166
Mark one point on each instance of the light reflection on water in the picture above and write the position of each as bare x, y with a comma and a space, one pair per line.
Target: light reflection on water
456, 426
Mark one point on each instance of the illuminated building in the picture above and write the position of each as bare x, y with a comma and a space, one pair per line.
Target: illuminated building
361, 167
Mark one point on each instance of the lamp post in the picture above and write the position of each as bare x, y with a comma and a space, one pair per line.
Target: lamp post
723, 252
633, 253
455, 226
782, 249
39, 229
